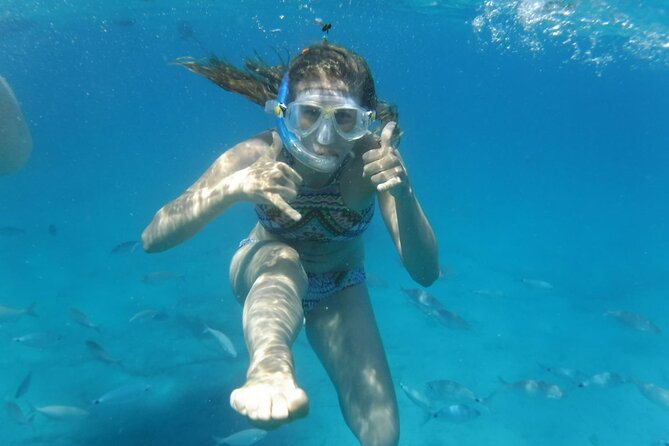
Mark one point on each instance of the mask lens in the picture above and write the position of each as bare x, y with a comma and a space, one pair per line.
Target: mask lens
304, 117
346, 119
308, 115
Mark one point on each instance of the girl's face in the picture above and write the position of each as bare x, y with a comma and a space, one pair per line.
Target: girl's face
326, 140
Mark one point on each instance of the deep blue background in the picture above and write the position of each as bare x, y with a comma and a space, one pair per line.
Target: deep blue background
528, 164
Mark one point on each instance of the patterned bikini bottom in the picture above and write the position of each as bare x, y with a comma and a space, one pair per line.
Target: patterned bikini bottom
324, 285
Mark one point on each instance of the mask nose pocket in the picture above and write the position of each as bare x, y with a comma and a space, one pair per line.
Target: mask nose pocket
325, 132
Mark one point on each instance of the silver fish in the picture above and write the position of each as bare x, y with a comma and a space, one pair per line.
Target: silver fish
604, 380
42, 340
126, 393
100, 353
538, 284
8, 314
125, 247
634, 320
654, 393
533, 387
16, 414
573, 375
24, 386
156, 315
447, 390
223, 340
423, 299
83, 320
457, 413
246, 437
450, 319
433, 308
62, 413
418, 398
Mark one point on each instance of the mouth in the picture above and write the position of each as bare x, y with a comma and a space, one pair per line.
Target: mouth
325, 151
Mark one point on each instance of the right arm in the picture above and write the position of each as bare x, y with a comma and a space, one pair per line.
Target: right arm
240, 174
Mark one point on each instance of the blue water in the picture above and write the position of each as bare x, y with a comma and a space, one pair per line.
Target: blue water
536, 137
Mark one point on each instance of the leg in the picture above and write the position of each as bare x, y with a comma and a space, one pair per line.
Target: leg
269, 278
342, 330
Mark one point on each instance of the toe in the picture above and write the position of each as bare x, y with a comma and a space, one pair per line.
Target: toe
279, 408
264, 410
298, 403
237, 401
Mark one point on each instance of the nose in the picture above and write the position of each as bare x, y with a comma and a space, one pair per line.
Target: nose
325, 132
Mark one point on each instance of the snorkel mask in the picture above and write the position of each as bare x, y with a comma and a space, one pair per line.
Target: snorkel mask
307, 115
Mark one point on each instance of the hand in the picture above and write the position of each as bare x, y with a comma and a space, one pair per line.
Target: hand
384, 167
269, 182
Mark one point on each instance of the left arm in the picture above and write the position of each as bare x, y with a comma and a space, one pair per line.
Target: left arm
409, 228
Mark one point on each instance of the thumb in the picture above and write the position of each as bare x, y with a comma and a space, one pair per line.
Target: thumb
277, 143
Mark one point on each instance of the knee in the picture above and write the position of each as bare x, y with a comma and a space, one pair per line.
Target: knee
383, 434
382, 427
269, 260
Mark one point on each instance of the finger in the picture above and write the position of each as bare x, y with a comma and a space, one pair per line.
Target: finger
393, 182
387, 133
287, 192
388, 162
373, 155
290, 173
382, 177
276, 142
283, 207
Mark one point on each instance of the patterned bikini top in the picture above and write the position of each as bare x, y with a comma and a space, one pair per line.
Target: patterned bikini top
325, 217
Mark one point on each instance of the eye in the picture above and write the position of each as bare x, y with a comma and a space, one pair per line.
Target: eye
311, 112
307, 116
345, 118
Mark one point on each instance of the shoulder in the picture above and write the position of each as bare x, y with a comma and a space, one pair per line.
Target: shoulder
267, 143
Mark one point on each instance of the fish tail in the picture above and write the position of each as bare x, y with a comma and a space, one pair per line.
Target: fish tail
32, 410
427, 416
485, 401
30, 311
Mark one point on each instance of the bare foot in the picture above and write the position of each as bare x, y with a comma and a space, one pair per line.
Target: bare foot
270, 400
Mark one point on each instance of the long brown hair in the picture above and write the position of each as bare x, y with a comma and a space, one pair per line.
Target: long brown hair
259, 81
